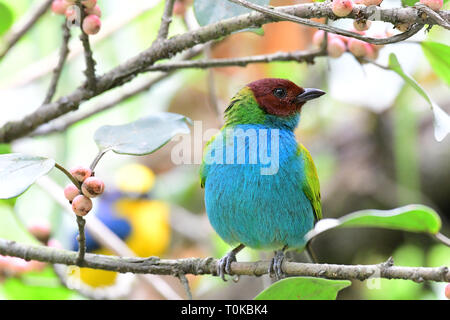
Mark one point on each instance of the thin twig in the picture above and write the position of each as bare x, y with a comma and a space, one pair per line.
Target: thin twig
23, 26
433, 15
299, 56
165, 20
88, 55
69, 175
81, 241
443, 239
185, 282
289, 17
200, 266
64, 51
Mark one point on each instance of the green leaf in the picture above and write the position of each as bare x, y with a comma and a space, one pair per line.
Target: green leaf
441, 118
19, 171
409, 3
303, 288
438, 54
143, 136
413, 218
6, 18
206, 13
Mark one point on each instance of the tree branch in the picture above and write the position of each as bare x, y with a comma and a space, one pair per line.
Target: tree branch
167, 48
165, 20
88, 55
299, 56
64, 51
288, 17
200, 266
17, 31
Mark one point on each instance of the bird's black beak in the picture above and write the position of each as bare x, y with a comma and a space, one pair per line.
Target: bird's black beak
309, 94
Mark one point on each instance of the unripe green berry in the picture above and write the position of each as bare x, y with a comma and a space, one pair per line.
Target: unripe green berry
92, 187
81, 205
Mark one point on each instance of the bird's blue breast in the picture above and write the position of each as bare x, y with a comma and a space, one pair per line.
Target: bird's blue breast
255, 202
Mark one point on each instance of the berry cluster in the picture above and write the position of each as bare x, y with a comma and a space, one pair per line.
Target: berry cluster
338, 44
91, 23
343, 8
91, 187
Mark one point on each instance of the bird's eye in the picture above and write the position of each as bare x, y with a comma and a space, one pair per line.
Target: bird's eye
279, 93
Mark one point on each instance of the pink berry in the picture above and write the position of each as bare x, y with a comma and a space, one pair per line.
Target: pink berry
362, 25
81, 205
53, 243
342, 8
372, 2
89, 3
179, 8
357, 47
447, 290
318, 38
60, 6
371, 51
92, 187
81, 173
41, 231
95, 11
70, 192
435, 5
92, 24
336, 47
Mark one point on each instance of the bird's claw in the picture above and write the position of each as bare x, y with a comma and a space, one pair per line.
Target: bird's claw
224, 265
275, 267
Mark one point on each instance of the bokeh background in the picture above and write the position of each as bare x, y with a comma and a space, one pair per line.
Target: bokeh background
371, 138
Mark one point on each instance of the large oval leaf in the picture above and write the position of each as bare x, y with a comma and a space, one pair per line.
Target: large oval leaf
6, 18
19, 171
206, 13
438, 54
441, 118
143, 136
303, 288
413, 218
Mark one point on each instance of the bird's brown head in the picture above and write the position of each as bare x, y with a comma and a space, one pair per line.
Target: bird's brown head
281, 97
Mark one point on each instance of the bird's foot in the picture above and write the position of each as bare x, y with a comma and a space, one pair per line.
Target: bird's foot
275, 267
224, 264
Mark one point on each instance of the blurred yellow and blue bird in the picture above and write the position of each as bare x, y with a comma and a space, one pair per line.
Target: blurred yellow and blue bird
141, 222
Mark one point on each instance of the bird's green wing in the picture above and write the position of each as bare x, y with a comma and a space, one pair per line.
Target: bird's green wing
311, 186
203, 172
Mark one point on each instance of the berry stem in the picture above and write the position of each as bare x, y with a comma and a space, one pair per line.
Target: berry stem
81, 240
70, 176
96, 160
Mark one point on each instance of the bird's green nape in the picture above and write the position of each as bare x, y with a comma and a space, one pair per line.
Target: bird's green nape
244, 109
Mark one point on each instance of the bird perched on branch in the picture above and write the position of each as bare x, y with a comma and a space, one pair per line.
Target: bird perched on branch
261, 186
